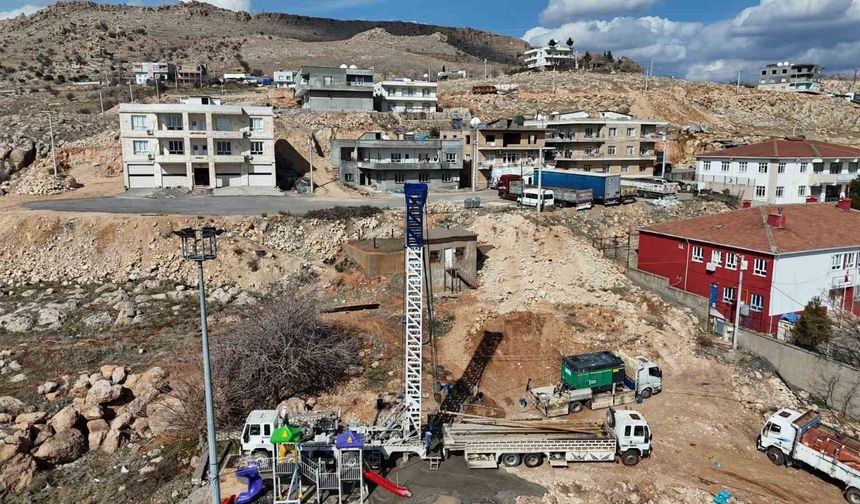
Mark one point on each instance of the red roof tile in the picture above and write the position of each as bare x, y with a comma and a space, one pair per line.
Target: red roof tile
788, 148
818, 226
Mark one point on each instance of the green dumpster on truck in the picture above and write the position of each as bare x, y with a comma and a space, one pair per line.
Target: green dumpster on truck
597, 371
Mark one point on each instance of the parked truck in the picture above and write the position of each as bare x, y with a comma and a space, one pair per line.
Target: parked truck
530, 198
793, 438
648, 187
511, 187
596, 381
624, 435
605, 188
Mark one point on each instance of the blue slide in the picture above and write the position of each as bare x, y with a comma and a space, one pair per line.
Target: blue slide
255, 485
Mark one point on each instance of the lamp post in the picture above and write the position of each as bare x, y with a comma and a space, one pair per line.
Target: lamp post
201, 245
743, 264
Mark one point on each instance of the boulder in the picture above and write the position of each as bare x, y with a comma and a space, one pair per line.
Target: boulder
293, 406
23, 155
121, 421
50, 317
48, 387
99, 425
244, 299
17, 322
98, 430
94, 377
11, 405
64, 447
162, 414
151, 378
107, 370
137, 406
140, 426
18, 378
118, 375
44, 433
103, 392
98, 320
128, 313
28, 419
113, 440
16, 473
6, 418
221, 296
80, 387
89, 411
65, 419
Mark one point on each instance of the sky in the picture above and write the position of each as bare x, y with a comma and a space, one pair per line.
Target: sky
697, 39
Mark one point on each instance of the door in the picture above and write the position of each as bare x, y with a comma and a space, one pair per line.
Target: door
141, 176
449, 258
201, 177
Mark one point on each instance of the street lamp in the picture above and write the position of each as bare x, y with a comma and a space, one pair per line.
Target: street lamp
201, 245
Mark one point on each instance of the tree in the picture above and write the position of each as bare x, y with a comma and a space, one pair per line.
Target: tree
813, 328
854, 193
552, 43
569, 42
609, 56
586, 58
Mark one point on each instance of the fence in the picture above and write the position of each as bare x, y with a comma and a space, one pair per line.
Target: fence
621, 248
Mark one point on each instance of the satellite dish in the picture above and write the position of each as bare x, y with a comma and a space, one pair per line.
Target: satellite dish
426, 76
343, 65
352, 66
475, 122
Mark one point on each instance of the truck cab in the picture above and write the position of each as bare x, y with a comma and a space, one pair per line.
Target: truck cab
258, 429
779, 433
646, 376
632, 434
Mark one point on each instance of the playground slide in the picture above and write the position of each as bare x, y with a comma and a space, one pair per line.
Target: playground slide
255, 485
387, 484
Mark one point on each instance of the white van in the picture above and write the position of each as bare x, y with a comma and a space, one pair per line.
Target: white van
530, 198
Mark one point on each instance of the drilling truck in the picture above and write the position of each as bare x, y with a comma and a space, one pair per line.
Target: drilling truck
597, 380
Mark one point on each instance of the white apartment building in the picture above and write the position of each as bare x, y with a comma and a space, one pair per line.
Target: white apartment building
283, 78
152, 70
541, 58
405, 95
197, 142
780, 171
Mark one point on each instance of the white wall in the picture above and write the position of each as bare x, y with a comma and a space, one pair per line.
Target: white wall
799, 278
746, 181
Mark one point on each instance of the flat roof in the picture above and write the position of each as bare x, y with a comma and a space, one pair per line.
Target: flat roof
166, 108
434, 236
789, 148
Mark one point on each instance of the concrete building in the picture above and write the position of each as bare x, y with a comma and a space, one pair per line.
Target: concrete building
803, 78
608, 143
452, 259
543, 58
793, 252
505, 147
191, 73
375, 161
780, 171
197, 142
283, 78
327, 89
405, 95
153, 70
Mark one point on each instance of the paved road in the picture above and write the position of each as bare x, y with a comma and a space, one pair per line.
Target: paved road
234, 205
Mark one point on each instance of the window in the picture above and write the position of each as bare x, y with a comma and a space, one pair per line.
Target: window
446, 176
625, 169
698, 254
760, 267
396, 157
140, 147
256, 148
491, 139
835, 168
176, 147
717, 257
756, 302
803, 167
852, 167
629, 150
759, 191
742, 166
724, 166
611, 150
843, 261
731, 260
728, 294
605, 167
468, 139
347, 177
173, 122
255, 430
460, 251
762, 167
801, 191
589, 133
613, 132
138, 122
223, 148
434, 256
780, 191
775, 429
781, 167
639, 431
706, 165
267, 430
399, 177
450, 157
327, 80
423, 177
817, 167
222, 124
256, 124
631, 132
587, 167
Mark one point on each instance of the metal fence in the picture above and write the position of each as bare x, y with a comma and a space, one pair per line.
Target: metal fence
621, 248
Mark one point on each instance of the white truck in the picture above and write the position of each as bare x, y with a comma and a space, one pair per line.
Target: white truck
643, 379
624, 435
793, 438
529, 198
648, 187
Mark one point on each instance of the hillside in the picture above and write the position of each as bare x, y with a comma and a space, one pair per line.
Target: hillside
90, 40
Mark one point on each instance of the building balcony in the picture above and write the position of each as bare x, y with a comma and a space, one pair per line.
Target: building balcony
229, 135
228, 158
496, 146
407, 98
171, 158
581, 156
167, 133
563, 138
402, 165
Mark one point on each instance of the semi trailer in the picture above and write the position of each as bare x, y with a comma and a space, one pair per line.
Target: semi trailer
511, 187
605, 188
596, 381
792, 438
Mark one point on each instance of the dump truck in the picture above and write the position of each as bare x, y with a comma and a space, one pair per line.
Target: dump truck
488, 444
605, 188
649, 187
792, 438
596, 381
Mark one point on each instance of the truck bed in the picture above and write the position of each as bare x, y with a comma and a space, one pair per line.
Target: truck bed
828, 442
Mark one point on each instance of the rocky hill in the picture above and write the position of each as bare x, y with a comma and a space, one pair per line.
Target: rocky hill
86, 40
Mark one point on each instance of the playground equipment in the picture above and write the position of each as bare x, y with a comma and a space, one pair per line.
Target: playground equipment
255, 485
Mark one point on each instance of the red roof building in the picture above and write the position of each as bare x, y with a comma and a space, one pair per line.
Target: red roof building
780, 171
793, 253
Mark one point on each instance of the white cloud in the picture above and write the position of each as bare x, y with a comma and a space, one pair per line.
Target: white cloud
233, 5
816, 31
26, 10
560, 11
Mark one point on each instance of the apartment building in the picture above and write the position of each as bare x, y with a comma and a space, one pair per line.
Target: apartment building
506, 146
543, 58
405, 95
330, 89
152, 70
780, 171
197, 142
283, 78
610, 142
191, 73
784, 76
378, 162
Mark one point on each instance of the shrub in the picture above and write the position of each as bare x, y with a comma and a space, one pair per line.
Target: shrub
813, 328
342, 213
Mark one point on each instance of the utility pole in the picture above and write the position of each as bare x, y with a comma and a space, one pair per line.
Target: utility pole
739, 80
475, 160
101, 100
311, 162
854, 84
53, 151
742, 266
540, 184
157, 92
665, 155
649, 74
485, 68
130, 92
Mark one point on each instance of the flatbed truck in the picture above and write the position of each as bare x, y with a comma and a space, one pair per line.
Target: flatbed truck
790, 438
624, 435
597, 381
649, 187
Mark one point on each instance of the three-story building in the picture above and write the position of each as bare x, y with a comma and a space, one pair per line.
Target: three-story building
335, 89
405, 95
